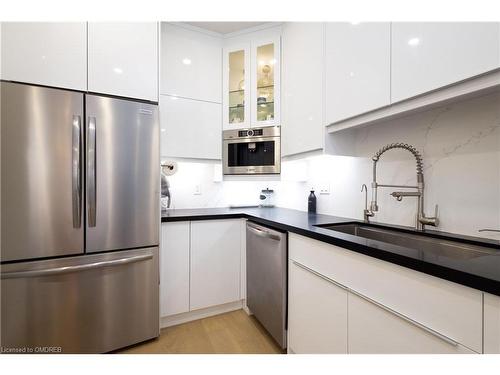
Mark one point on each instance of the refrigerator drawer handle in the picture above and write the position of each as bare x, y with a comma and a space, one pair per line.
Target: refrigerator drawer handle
68, 269
91, 172
76, 174
263, 233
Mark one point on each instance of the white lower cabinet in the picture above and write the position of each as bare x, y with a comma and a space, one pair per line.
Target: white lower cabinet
317, 313
174, 268
491, 324
215, 262
390, 309
375, 330
200, 265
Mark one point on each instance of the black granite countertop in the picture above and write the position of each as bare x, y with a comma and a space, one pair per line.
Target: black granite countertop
481, 272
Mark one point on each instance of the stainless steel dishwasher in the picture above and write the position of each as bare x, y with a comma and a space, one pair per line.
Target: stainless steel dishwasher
267, 279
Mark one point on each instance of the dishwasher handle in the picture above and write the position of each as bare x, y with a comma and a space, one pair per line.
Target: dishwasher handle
263, 233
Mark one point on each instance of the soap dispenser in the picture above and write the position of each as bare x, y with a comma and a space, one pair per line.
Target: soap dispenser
311, 202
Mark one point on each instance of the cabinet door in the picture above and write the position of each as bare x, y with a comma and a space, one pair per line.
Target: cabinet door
302, 87
45, 53
491, 324
375, 330
215, 262
357, 68
191, 64
190, 128
236, 86
174, 268
317, 313
265, 78
123, 59
429, 55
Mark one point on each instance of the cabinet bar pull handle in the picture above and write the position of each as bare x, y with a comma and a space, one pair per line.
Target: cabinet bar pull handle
405, 318
320, 275
388, 309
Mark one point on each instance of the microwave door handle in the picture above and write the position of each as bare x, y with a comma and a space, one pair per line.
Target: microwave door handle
91, 171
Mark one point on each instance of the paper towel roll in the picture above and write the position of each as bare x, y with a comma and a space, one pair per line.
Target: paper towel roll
169, 167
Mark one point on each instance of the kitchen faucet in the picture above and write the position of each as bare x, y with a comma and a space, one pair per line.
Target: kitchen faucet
366, 212
420, 220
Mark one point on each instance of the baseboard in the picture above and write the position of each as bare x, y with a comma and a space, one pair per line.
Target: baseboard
246, 309
173, 320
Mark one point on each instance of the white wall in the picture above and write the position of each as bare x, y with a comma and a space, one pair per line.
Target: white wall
460, 145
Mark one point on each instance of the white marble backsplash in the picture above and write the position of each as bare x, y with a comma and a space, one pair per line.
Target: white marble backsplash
460, 145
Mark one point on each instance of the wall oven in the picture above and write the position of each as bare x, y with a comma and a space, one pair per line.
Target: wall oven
252, 151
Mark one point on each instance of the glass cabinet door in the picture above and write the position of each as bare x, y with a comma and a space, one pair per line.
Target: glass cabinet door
266, 70
236, 87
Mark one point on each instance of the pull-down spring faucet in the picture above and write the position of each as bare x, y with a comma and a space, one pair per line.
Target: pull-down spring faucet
420, 220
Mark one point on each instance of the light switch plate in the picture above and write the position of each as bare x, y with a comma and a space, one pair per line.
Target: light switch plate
197, 189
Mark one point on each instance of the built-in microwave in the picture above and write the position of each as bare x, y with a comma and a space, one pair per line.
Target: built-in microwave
252, 151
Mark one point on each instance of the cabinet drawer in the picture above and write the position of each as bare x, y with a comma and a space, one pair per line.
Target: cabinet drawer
450, 309
375, 330
491, 324
317, 313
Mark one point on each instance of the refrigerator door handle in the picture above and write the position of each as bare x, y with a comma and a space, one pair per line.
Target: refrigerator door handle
76, 173
91, 171
82, 267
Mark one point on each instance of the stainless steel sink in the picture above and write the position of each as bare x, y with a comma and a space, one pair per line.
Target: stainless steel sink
448, 248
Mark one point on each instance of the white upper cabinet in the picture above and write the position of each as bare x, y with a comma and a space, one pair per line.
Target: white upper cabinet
357, 68
191, 64
302, 87
251, 80
236, 86
123, 59
265, 79
427, 56
190, 128
45, 53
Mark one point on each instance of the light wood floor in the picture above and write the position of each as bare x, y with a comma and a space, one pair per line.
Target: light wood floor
233, 332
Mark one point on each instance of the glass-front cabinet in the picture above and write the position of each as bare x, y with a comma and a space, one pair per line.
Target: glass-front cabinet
252, 84
236, 87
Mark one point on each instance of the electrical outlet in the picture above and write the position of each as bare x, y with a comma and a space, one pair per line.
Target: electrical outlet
197, 189
324, 189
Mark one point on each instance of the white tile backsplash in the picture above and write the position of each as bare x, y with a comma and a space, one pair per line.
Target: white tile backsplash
460, 145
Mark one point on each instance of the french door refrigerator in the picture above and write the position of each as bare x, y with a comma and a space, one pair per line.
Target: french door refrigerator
79, 221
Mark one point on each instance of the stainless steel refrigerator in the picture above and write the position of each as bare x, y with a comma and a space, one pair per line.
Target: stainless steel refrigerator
79, 220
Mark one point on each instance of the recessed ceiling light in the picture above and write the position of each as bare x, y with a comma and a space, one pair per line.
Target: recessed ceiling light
118, 70
354, 23
186, 61
414, 42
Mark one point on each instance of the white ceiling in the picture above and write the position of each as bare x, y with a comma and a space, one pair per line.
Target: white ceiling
225, 27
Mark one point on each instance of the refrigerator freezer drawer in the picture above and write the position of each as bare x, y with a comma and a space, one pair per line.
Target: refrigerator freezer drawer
85, 304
